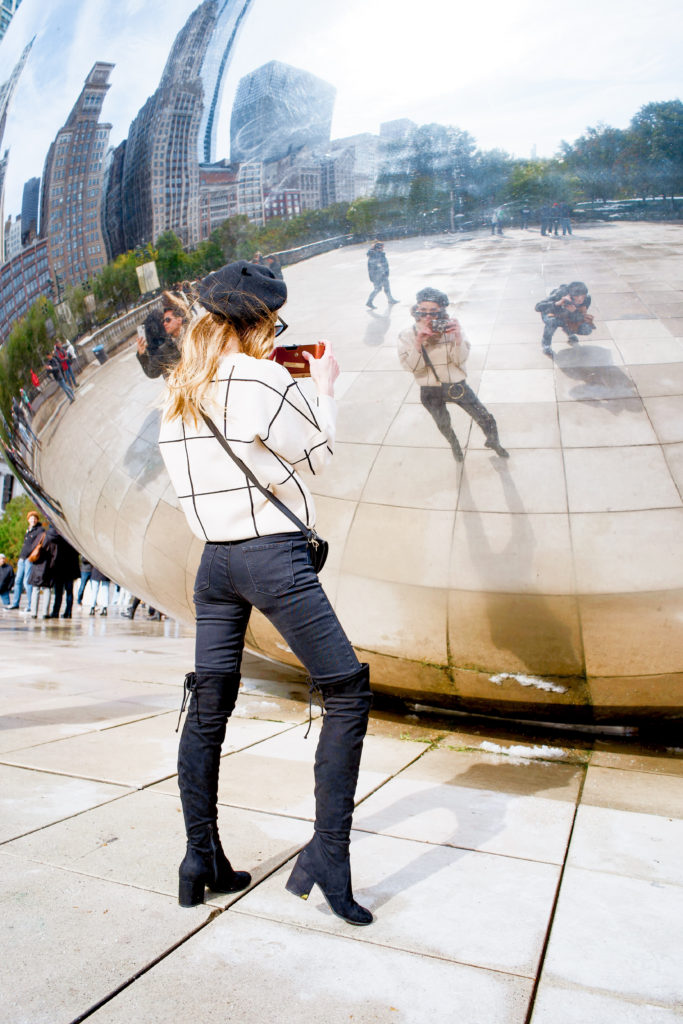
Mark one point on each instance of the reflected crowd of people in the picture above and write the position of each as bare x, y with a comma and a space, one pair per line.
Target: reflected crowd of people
48, 566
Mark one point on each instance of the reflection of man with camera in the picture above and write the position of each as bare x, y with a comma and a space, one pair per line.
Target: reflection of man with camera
565, 307
435, 351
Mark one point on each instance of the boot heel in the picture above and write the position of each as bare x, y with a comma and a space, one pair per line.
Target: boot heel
191, 892
300, 882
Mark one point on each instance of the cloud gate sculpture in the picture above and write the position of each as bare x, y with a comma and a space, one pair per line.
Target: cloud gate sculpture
546, 585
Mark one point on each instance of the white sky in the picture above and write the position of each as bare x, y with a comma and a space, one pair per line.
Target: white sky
513, 75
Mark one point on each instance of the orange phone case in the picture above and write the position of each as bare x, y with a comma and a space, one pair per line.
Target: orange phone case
290, 357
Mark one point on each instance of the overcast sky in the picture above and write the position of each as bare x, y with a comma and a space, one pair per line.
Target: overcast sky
515, 75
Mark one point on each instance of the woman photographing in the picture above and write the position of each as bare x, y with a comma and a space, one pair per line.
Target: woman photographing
255, 557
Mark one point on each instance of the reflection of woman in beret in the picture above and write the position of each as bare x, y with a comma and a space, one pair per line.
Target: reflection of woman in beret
254, 557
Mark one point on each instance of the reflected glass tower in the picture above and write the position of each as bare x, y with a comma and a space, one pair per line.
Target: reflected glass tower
229, 19
72, 186
278, 110
159, 182
8, 9
29, 210
6, 92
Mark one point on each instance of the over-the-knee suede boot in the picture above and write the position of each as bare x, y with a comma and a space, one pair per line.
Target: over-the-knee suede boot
325, 860
213, 699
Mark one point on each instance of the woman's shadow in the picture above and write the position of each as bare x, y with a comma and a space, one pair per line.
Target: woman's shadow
479, 801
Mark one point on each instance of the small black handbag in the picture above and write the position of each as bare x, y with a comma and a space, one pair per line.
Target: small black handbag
318, 548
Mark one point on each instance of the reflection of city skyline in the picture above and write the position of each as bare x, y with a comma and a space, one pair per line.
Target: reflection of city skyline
96, 203
164, 175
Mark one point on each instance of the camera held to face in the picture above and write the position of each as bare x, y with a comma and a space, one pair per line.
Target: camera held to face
439, 323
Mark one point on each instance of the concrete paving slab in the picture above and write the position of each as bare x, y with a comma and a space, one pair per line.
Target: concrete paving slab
32, 800
621, 421
619, 935
141, 842
478, 802
131, 755
606, 756
563, 1004
250, 970
71, 940
277, 775
270, 708
644, 846
492, 911
636, 791
60, 717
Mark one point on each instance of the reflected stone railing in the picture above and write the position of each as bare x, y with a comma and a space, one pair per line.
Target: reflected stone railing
303, 252
113, 334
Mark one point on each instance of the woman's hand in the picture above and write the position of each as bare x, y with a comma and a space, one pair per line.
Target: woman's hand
324, 371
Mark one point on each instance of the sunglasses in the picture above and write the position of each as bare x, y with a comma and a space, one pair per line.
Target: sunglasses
280, 327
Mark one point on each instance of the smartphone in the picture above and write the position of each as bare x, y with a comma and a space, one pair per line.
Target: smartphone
291, 358
142, 334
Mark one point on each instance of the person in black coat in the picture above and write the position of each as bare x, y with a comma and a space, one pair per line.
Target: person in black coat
40, 573
6, 580
65, 570
160, 350
378, 272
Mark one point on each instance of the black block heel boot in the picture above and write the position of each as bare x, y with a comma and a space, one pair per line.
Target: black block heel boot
205, 863
199, 870
325, 860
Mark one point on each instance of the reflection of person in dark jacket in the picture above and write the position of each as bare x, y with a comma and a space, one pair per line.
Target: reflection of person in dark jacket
378, 272
65, 569
160, 350
6, 579
565, 307
40, 572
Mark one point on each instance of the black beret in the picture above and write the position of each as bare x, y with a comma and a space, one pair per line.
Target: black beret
224, 291
432, 295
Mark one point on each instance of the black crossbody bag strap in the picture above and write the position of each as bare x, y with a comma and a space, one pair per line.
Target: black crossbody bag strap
310, 535
430, 364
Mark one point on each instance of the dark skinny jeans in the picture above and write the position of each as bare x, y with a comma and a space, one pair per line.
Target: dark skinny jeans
274, 574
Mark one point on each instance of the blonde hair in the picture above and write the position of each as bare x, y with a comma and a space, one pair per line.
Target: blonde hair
206, 341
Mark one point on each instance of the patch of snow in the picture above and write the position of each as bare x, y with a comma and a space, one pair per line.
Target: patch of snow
538, 684
516, 750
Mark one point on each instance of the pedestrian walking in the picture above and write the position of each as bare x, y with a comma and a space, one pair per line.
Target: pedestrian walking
378, 272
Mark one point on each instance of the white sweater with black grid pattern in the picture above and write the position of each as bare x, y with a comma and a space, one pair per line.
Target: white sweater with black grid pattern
274, 428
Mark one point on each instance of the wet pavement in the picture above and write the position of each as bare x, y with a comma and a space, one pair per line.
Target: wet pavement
516, 875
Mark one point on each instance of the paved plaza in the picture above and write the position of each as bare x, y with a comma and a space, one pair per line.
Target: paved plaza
515, 876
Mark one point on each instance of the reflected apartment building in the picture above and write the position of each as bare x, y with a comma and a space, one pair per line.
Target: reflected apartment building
153, 183
72, 186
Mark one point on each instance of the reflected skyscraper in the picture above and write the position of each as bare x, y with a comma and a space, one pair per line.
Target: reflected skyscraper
6, 92
278, 110
29, 210
229, 19
8, 8
159, 183
72, 186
